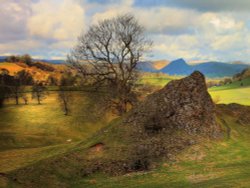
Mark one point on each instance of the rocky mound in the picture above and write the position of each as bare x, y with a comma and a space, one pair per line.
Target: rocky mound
168, 121
182, 104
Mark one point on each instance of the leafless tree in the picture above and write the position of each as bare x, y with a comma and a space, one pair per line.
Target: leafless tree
107, 56
25, 99
65, 97
39, 92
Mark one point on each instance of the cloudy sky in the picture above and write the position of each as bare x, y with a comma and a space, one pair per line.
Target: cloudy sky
191, 29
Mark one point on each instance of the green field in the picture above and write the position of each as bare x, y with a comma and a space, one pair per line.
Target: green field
232, 93
33, 133
30, 133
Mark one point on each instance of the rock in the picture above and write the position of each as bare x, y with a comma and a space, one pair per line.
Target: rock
182, 104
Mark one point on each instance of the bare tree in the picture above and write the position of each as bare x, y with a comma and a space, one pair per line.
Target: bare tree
25, 99
65, 97
39, 92
108, 54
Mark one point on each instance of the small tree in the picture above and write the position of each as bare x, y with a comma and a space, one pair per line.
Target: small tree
65, 99
5, 81
65, 95
25, 99
17, 89
26, 59
12, 59
52, 80
25, 77
108, 54
39, 92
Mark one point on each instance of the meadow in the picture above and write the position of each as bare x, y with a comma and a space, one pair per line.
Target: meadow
31, 133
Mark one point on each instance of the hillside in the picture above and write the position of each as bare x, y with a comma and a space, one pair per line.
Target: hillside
181, 148
209, 69
39, 70
152, 66
159, 128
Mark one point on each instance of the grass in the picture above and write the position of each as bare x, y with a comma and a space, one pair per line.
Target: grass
224, 163
233, 85
156, 79
11, 67
30, 133
238, 95
34, 125
232, 93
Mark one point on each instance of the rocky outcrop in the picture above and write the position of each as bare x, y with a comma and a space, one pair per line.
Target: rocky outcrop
182, 104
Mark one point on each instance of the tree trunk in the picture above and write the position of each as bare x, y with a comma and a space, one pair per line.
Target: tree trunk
17, 99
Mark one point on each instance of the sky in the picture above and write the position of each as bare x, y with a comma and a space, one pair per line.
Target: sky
196, 30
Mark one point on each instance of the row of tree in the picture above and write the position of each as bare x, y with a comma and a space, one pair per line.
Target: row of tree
26, 58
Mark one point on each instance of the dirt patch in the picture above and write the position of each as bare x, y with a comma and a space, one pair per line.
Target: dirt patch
96, 148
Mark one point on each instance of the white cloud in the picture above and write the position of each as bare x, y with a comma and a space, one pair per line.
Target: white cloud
53, 20
13, 19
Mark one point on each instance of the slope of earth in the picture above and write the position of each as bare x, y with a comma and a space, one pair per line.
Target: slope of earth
33, 125
234, 85
167, 123
159, 64
224, 163
37, 72
11, 67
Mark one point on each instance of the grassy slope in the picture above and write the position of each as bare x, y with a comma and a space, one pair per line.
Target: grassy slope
233, 85
37, 73
11, 67
29, 133
216, 164
223, 163
232, 93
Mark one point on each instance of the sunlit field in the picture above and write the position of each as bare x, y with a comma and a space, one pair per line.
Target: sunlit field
238, 95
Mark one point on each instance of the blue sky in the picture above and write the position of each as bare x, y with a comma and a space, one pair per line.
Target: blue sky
196, 30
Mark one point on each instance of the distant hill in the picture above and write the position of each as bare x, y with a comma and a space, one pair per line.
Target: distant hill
53, 61
146, 66
3, 58
152, 66
159, 64
209, 69
242, 75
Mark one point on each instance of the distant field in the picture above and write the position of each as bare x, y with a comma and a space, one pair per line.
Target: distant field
238, 95
154, 79
236, 92
233, 85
